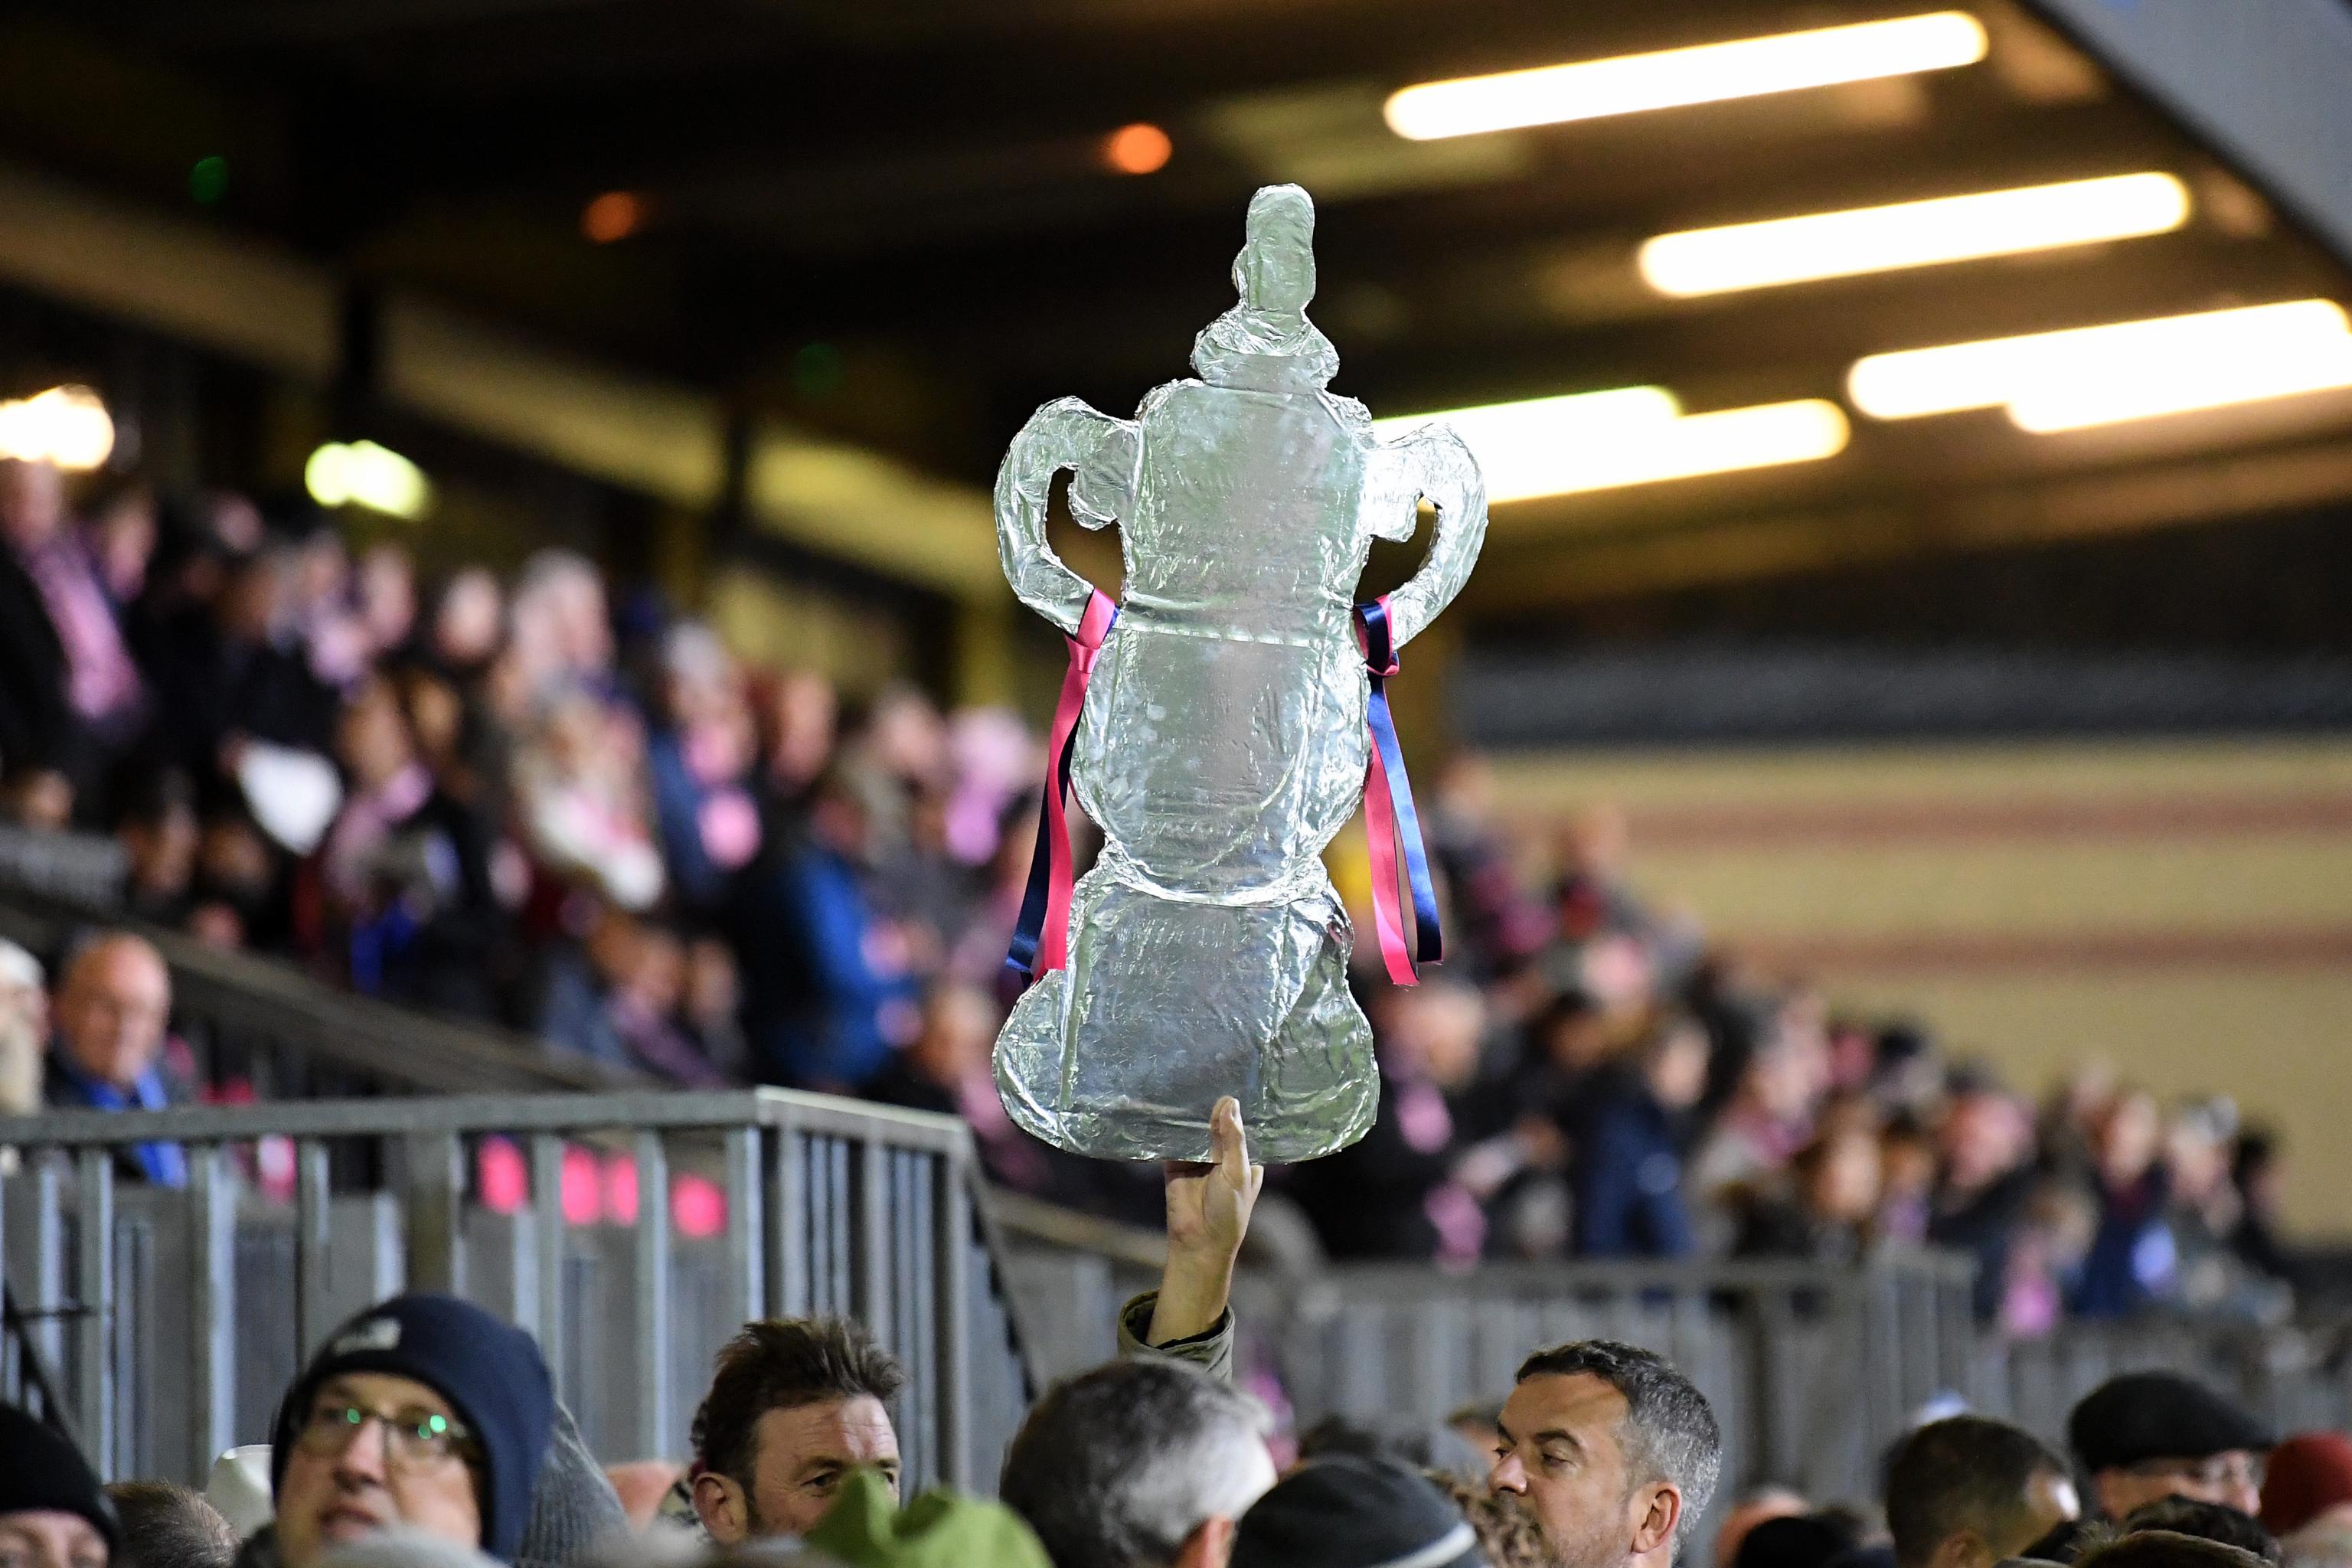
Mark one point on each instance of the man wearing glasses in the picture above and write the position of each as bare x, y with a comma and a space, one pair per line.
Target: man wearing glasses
2148, 1436
425, 1412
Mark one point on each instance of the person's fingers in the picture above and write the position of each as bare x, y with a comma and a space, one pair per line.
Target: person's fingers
1225, 1136
1177, 1170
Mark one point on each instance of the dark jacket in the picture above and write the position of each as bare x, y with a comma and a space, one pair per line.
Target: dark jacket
38, 728
1628, 1179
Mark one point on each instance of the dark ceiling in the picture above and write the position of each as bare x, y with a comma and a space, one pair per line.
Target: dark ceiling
895, 221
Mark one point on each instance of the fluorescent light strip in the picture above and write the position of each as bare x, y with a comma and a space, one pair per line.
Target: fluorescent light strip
1671, 78
1950, 377
2138, 389
67, 426
1911, 234
1547, 448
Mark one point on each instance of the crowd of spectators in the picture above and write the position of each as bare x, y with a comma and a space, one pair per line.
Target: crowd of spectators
527, 803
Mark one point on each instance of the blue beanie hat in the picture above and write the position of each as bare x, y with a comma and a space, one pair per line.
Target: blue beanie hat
491, 1373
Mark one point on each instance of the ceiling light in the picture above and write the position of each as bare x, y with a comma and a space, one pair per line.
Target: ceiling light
67, 426
1670, 79
614, 215
2151, 387
1137, 149
1988, 373
1911, 234
364, 474
1636, 435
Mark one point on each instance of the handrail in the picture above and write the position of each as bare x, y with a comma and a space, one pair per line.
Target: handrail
829, 1206
665, 1110
272, 999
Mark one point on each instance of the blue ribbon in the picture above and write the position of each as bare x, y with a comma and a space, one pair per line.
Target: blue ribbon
1380, 663
1021, 960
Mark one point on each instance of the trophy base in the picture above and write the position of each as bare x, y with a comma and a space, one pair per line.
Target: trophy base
1166, 1007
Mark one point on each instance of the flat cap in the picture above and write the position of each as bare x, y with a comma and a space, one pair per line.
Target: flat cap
2144, 1416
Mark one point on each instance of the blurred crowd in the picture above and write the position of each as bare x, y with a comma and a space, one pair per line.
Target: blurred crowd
528, 802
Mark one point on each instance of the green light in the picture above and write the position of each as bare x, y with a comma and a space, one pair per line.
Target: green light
208, 181
818, 370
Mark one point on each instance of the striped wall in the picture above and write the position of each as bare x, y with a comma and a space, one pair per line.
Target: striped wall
2181, 910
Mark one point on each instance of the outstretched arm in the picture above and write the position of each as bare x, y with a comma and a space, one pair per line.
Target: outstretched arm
1188, 1318
1437, 462
1065, 433
1208, 1214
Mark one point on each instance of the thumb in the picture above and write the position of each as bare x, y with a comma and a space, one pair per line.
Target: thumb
1230, 1142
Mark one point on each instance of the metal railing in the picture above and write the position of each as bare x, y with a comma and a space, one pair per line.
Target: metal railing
265, 1027
84, 867
176, 1318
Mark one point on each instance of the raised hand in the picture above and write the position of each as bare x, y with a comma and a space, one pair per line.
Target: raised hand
1208, 1214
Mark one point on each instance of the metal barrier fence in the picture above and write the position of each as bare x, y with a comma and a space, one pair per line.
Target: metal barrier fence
175, 1318
260, 1026
1813, 1371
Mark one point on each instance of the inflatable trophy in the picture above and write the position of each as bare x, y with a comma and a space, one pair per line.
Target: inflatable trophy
1218, 725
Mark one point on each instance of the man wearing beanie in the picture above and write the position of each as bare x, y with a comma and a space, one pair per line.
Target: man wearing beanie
425, 1412
53, 1513
1351, 1512
2148, 1436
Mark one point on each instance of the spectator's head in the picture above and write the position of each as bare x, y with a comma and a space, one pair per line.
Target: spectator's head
24, 991
1799, 1541
1748, 1510
1574, 1032
1779, 1081
1350, 1512
2206, 1521
1674, 1061
1433, 1031
387, 592
1140, 1464
2129, 1137
560, 611
795, 1407
373, 739
1613, 1450
2167, 1549
2196, 1147
959, 1031
799, 713
700, 679
1838, 1176
168, 1526
112, 1009
32, 502
53, 1513
2152, 1435
159, 834
2256, 1168
424, 1412
470, 621
1967, 1493
1986, 1135
2310, 1474
122, 533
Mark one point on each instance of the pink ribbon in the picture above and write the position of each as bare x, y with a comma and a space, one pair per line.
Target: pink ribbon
1054, 946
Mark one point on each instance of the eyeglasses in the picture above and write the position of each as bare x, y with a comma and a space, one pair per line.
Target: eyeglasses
414, 1436
2232, 1469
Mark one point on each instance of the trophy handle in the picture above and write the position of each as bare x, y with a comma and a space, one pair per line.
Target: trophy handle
1065, 433
1441, 464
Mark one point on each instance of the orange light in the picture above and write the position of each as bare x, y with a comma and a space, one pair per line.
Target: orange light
616, 215
1137, 149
